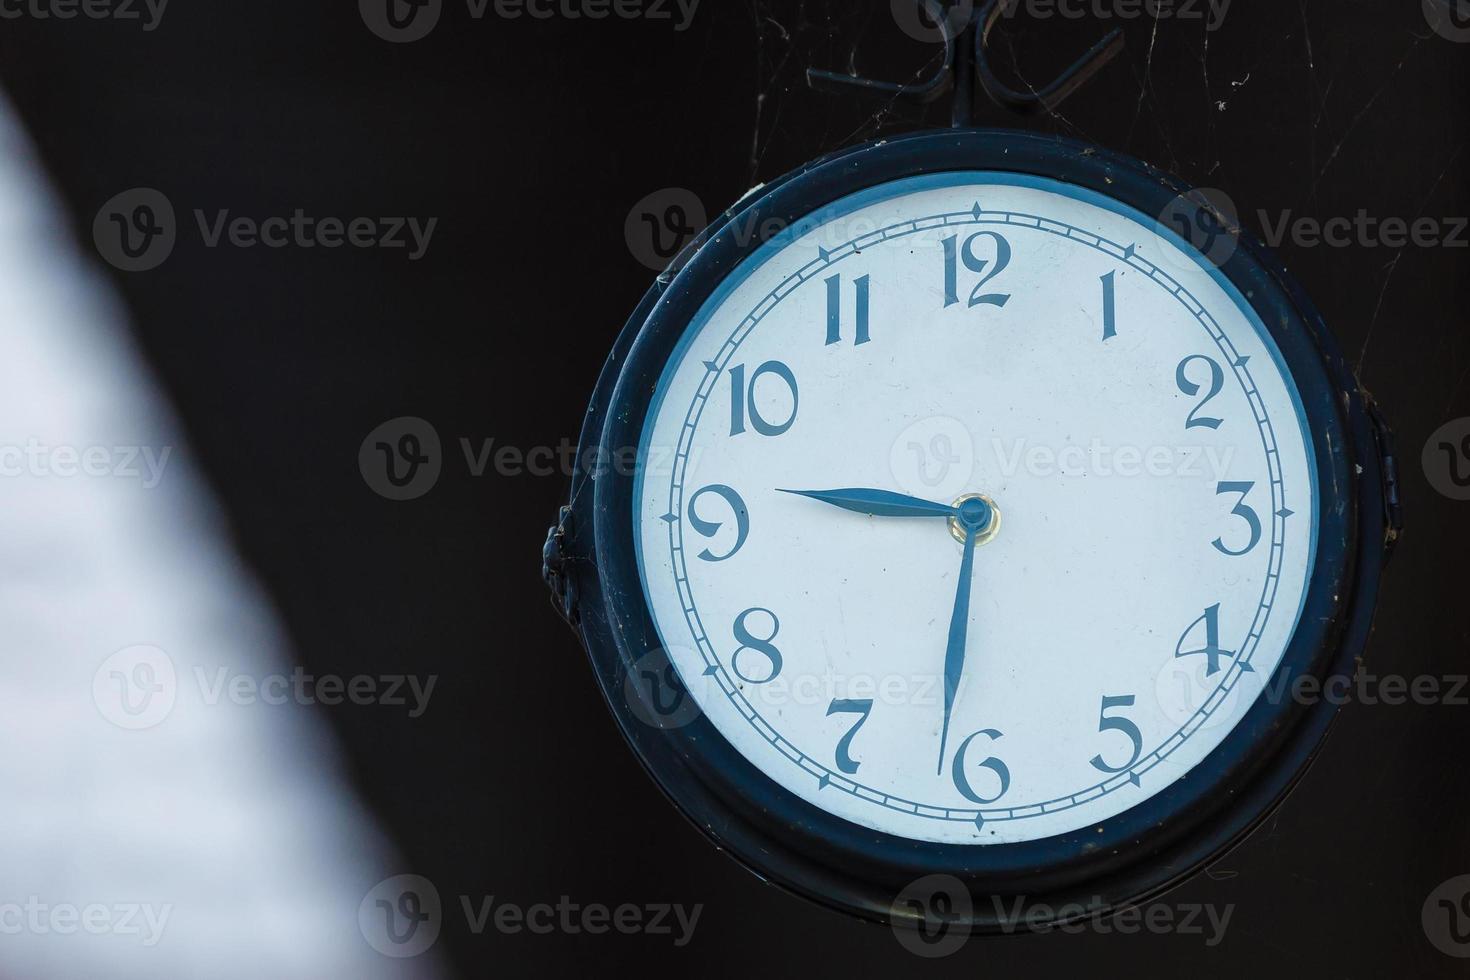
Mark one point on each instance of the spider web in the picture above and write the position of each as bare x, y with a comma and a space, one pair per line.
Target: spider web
1321, 80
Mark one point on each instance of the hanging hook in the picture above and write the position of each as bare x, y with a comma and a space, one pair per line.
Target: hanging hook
936, 85
966, 66
1050, 95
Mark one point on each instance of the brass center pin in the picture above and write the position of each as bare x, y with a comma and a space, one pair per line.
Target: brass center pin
957, 527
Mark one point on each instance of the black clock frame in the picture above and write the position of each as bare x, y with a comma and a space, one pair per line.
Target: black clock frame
1117, 862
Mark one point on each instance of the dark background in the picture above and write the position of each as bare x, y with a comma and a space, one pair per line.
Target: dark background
531, 141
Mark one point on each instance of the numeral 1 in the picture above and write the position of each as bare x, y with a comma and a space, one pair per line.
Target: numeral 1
1110, 305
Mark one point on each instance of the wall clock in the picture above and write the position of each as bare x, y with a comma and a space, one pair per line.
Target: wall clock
981, 525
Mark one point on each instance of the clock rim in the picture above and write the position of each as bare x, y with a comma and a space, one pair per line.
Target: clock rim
854, 868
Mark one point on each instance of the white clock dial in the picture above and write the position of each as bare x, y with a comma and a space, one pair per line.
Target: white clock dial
1132, 588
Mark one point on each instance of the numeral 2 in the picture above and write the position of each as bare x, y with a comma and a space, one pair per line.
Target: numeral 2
1217, 382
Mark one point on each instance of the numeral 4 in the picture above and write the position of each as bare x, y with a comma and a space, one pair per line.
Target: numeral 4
1210, 620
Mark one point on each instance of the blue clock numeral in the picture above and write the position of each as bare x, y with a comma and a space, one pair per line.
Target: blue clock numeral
709, 529
1243, 511
962, 782
1217, 382
834, 309
1118, 724
1211, 621
1110, 305
956, 254
859, 707
742, 399
765, 647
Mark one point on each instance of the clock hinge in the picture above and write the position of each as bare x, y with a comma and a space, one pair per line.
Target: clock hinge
554, 562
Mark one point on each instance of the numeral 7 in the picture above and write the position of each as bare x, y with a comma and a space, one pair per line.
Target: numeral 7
861, 708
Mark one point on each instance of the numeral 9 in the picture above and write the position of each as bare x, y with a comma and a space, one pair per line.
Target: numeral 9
709, 529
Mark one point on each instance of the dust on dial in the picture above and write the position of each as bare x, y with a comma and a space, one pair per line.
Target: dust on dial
976, 508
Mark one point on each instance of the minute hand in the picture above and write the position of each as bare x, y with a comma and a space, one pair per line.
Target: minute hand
959, 624
880, 503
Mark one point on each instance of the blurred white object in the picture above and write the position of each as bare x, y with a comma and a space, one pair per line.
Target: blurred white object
144, 832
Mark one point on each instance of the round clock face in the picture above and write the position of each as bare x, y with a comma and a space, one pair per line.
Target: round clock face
976, 509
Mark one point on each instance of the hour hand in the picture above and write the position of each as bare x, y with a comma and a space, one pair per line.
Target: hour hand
880, 503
